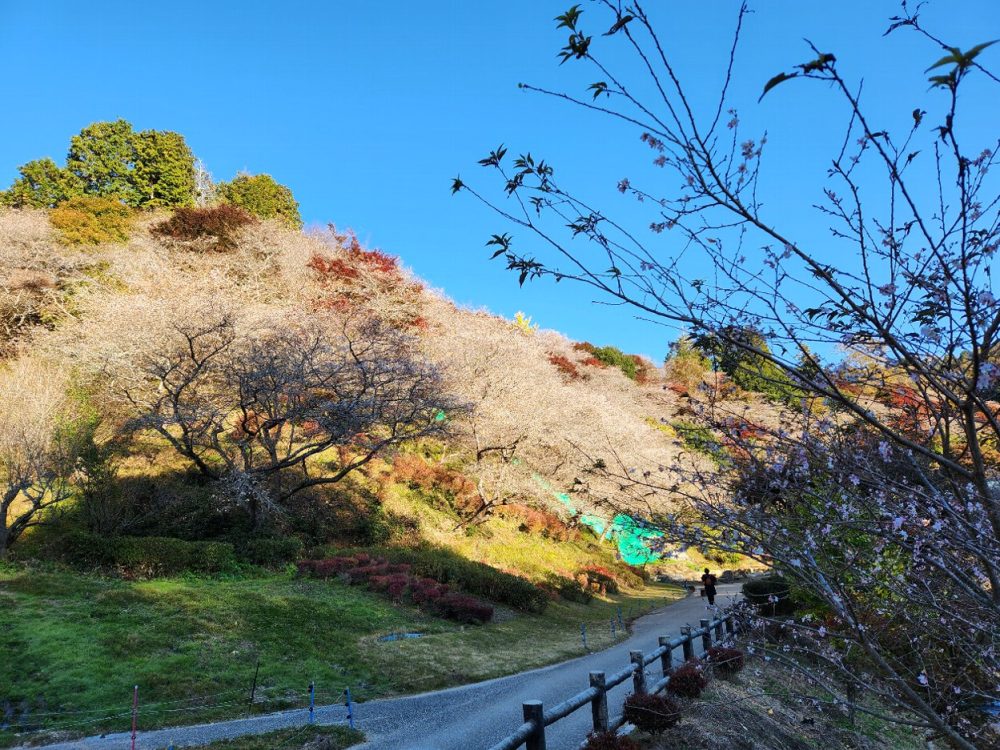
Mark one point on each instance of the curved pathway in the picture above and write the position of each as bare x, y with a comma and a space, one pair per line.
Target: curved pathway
461, 718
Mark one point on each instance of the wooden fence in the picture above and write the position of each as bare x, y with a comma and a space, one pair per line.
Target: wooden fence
531, 733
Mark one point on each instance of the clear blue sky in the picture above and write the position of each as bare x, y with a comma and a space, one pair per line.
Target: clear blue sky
367, 109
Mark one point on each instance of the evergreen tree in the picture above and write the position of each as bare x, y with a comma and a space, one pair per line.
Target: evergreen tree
42, 184
164, 169
103, 157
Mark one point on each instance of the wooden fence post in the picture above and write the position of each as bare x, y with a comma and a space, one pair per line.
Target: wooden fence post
533, 712
599, 706
706, 635
639, 673
666, 660
688, 646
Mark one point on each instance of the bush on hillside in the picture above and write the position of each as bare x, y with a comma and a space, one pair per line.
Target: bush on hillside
474, 577
262, 196
599, 579
443, 486
90, 220
463, 608
699, 439
271, 552
565, 366
771, 594
216, 226
610, 356
725, 661
651, 713
540, 522
688, 680
397, 581
609, 741
570, 590
135, 556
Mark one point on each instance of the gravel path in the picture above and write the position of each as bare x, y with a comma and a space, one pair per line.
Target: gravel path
460, 718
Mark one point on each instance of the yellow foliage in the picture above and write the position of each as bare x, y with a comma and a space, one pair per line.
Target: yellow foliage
89, 220
523, 323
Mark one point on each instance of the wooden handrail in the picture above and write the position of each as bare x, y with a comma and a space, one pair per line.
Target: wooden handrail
532, 732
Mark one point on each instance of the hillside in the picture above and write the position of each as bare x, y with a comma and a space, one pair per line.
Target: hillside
536, 414
506, 467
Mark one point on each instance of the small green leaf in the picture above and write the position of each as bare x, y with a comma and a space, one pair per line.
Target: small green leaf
780, 78
974, 52
569, 18
954, 58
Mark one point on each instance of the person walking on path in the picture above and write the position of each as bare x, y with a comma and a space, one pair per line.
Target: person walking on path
708, 581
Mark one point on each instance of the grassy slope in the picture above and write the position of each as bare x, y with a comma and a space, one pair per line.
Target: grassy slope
81, 642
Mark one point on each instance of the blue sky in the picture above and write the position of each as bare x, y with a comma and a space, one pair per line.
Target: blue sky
366, 110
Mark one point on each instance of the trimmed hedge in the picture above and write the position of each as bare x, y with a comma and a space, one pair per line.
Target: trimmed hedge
271, 552
141, 556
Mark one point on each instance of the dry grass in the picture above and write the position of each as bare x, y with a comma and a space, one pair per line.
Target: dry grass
764, 708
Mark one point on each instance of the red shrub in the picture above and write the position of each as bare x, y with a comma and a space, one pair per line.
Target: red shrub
419, 474
609, 741
565, 366
218, 224
463, 608
534, 521
651, 713
396, 580
600, 579
679, 388
426, 590
305, 567
335, 268
688, 680
724, 660
594, 362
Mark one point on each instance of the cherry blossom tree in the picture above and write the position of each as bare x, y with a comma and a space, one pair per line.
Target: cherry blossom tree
878, 497
258, 409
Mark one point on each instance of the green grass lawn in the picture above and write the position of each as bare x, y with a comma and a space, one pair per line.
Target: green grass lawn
74, 645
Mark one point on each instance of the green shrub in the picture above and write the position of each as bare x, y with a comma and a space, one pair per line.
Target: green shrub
133, 556
572, 591
771, 595
271, 552
699, 439
470, 576
90, 220
262, 196
612, 357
